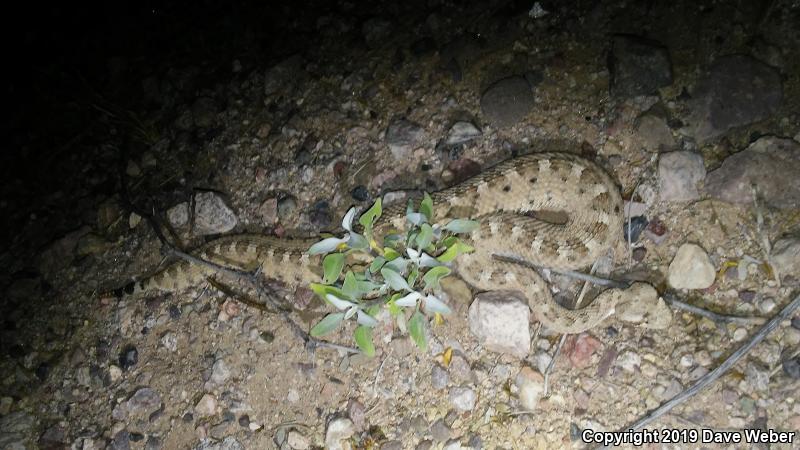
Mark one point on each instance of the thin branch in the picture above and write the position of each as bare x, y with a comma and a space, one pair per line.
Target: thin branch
553, 363
710, 377
570, 273
673, 300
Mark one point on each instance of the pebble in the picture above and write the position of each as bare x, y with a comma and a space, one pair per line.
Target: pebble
229, 443
220, 372
757, 378
691, 268
320, 215
530, 385
357, 413
424, 445
641, 304
629, 361
439, 377
461, 132
463, 398
297, 441
508, 101
500, 321
582, 350
637, 225
114, 373
791, 367
403, 136
360, 193
338, 430
206, 406
460, 369
739, 334
143, 403
392, 445
128, 357
771, 163
293, 396
785, 256
439, 431
679, 174
654, 134
736, 90
268, 211
287, 207
212, 215
169, 341
766, 306
541, 360
637, 66
452, 444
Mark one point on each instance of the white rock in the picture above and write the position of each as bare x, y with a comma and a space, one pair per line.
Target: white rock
338, 430
678, 175
462, 131
500, 321
530, 384
178, 215
206, 406
463, 398
641, 304
293, 396
403, 136
691, 268
220, 373
212, 215
629, 361
297, 441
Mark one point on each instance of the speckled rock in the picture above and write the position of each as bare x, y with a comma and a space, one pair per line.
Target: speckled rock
500, 321
691, 268
640, 304
679, 174
786, 256
637, 66
771, 163
463, 398
402, 137
507, 101
338, 430
530, 385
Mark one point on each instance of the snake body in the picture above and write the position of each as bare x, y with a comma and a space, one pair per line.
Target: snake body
505, 200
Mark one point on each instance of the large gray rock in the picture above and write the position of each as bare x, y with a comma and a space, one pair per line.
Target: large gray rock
500, 320
507, 101
737, 90
637, 66
14, 428
786, 256
771, 163
212, 215
678, 175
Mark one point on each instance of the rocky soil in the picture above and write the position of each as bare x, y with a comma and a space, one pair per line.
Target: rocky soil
693, 107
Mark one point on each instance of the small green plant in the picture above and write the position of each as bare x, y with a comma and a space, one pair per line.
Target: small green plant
401, 273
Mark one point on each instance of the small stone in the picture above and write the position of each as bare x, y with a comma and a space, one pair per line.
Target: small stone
747, 296
439, 377
767, 305
293, 396
440, 432
475, 442
739, 334
452, 444
206, 406
392, 445
360, 193
178, 215
654, 134
357, 413
463, 398
786, 256
639, 254
133, 170
638, 66
629, 361
541, 361
403, 136
530, 385
637, 225
169, 341
143, 403
220, 372
500, 321
640, 304
462, 132
244, 421
424, 445
338, 430
679, 174
268, 211
757, 378
691, 268
507, 101
297, 441
791, 367
212, 215
286, 207
320, 215
582, 350
114, 373
128, 357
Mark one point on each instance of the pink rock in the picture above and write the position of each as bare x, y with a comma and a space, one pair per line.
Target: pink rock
583, 349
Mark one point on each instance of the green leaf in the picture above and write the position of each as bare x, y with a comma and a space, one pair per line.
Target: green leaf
390, 253
326, 325
461, 226
392, 239
425, 236
395, 280
371, 215
350, 285
363, 338
449, 241
322, 290
332, 267
426, 207
412, 277
457, 248
416, 328
394, 310
433, 276
377, 263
